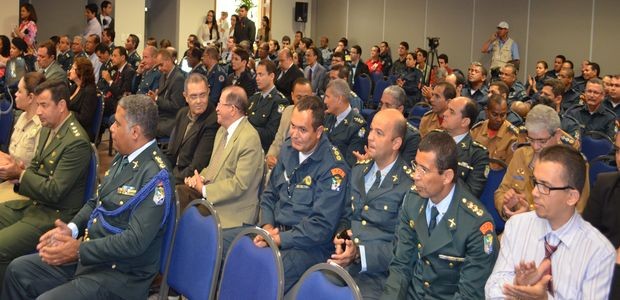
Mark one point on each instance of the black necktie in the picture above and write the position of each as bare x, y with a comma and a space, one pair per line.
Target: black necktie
433, 223
124, 162
377, 182
310, 74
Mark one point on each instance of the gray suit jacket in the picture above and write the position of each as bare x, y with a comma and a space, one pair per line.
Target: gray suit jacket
318, 76
55, 72
234, 190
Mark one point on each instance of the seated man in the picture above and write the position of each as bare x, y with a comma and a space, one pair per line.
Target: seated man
55, 181
191, 143
473, 158
235, 170
121, 228
433, 119
553, 240
267, 104
241, 75
508, 74
345, 128
496, 133
553, 89
147, 75
120, 84
543, 130
446, 244
301, 88
169, 95
376, 190
592, 115
305, 196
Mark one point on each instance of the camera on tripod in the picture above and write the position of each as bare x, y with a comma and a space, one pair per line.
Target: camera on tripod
433, 42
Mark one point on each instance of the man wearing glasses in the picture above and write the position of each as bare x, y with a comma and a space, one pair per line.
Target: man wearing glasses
543, 130
591, 114
552, 252
446, 244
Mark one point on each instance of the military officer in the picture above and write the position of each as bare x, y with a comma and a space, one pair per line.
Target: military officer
103, 53
345, 128
446, 244
55, 181
215, 74
551, 95
267, 104
147, 76
514, 193
305, 196
121, 228
65, 55
496, 133
442, 93
376, 190
592, 115
473, 158
241, 75
133, 58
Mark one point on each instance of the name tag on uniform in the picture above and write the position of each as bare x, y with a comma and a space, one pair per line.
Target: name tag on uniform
127, 190
451, 258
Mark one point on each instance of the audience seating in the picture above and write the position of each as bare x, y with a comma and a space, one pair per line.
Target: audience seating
487, 198
380, 86
417, 112
362, 87
251, 272
325, 281
601, 164
196, 253
595, 144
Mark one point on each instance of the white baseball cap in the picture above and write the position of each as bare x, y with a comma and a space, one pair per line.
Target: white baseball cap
503, 24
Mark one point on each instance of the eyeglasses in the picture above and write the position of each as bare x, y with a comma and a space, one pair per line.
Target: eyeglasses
195, 97
538, 141
420, 170
546, 190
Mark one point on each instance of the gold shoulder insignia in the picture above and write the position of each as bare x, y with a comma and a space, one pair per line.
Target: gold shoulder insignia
479, 145
567, 139
513, 129
160, 162
428, 112
336, 153
477, 125
359, 120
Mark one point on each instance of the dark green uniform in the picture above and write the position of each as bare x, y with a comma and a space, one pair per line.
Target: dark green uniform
111, 264
409, 148
350, 135
473, 159
55, 183
453, 263
264, 114
134, 59
65, 60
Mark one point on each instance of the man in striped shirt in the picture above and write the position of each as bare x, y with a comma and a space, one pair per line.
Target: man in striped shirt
552, 252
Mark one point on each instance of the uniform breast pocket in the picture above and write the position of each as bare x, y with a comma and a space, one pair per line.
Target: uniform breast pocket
449, 265
302, 199
386, 210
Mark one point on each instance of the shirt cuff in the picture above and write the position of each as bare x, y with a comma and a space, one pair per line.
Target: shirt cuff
74, 230
204, 191
362, 251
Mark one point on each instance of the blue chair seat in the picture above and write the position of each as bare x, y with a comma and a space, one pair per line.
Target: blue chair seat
325, 281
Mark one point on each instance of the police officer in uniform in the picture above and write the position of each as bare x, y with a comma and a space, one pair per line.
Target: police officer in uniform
121, 229
345, 128
592, 115
442, 93
216, 75
473, 158
364, 244
133, 58
542, 130
446, 244
496, 134
267, 104
304, 199
55, 181
147, 76
241, 76
103, 53
65, 55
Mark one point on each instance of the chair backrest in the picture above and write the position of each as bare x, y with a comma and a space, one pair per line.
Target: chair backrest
91, 176
417, 112
326, 281
98, 119
494, 179
6, 121
601, 164
167, 243
362, 87
196, 253
595, 144
251, 272
380, 86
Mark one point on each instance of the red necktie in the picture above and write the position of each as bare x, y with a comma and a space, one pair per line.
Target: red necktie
548, 252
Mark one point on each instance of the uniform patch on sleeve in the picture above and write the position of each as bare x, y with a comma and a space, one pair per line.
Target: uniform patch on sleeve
337, 177
488, 243
221, 78
281, 108
362, 132
487, 227
159, 195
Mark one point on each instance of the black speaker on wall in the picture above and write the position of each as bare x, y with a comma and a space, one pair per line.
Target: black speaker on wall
301, 12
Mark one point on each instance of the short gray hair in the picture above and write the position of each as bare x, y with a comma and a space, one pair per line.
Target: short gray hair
542, 117
195, 78
142, 111
397, 93
340, 87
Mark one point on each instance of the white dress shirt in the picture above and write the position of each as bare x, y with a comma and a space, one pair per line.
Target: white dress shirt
582, 265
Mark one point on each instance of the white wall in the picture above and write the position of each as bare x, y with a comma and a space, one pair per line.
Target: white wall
282, 15
129, 19
192, 15
69, 20
9, 16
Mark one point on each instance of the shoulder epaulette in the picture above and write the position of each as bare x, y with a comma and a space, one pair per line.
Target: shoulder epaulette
477, 125
411, 127
74, 130
336, 153
428, 112
567, 139
158, 160
353, 94
478, 145
471, 207
359, 120
513, 129
363, 161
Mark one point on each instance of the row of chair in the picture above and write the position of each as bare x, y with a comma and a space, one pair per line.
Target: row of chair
191, 264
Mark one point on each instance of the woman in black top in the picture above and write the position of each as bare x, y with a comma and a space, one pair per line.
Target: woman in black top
83, 100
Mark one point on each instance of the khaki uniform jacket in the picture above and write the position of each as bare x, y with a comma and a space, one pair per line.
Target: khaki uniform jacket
429, 122
499, 146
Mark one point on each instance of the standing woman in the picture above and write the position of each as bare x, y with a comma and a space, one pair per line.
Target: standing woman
209, 34
83, 100
27, 29
264, 32
234, 19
